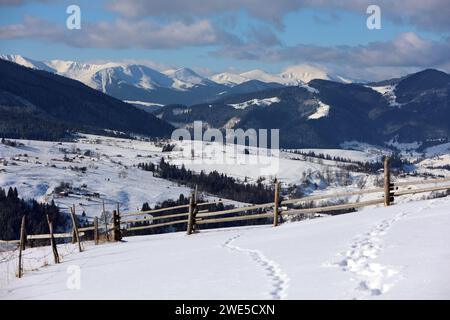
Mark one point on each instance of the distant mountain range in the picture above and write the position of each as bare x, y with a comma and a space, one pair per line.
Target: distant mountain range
37, 104
415, 108
320, 113
144, 86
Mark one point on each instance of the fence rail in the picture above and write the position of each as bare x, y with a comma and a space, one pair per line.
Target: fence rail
334, 207
333, 195
426, 181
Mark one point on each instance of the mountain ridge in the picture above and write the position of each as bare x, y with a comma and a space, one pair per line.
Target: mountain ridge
326, 114
182, 85
40, 104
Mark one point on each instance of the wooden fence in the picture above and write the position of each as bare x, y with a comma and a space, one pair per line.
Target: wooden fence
197, 215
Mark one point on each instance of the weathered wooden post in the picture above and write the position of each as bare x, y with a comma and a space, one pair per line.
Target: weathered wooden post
195, 211
52, 241
74, 236
387, 181
96, 230
106, 221
191, 217
116, 226
276, 203
75, 228
21, 247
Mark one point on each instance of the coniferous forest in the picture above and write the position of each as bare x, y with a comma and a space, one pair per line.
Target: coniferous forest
215, 183
12, 208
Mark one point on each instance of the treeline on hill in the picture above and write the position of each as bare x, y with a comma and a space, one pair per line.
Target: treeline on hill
214, 182
12, 208
25, 124
182, 200
359, 166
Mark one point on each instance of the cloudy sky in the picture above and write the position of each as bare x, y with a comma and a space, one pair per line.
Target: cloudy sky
237, 35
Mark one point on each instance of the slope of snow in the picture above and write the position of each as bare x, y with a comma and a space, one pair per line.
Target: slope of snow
388, 92
229, 79
185, 78
346, 154
143, 103
257, 102
38, 167
402, 146
263, 76
250, 164
26, 62
399, 252
304, 73
321, 112
440, 149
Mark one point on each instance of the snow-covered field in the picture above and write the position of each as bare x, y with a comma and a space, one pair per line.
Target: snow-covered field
38, 167
399, 252
103, 168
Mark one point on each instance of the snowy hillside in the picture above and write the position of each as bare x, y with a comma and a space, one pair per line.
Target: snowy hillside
400, 252
94, 165
103, 168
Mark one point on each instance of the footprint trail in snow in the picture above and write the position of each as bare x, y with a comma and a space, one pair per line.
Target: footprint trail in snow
279, 280
373, 278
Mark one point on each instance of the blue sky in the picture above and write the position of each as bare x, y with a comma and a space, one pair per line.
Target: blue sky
214, 36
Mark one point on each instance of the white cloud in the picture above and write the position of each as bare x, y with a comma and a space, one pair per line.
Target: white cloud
428, 15
406, 53
120, 33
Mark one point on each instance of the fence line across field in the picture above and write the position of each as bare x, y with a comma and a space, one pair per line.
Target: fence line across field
272, 211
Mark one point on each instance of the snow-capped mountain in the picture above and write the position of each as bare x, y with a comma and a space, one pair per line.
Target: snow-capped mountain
136, 82
229, 79
262, 76
99, 76
291, 76
132, 82
304, 73
43, 105
185, 78
328, 113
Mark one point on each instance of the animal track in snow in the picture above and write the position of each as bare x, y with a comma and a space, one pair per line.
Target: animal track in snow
373, 278
279, 280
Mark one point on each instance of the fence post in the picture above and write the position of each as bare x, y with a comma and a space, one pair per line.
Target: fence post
96, 230
191, 217
276, 203
387, 181
116, 226
52, 240
106, 221
195, 211
21, 247
75, 228
74, 236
